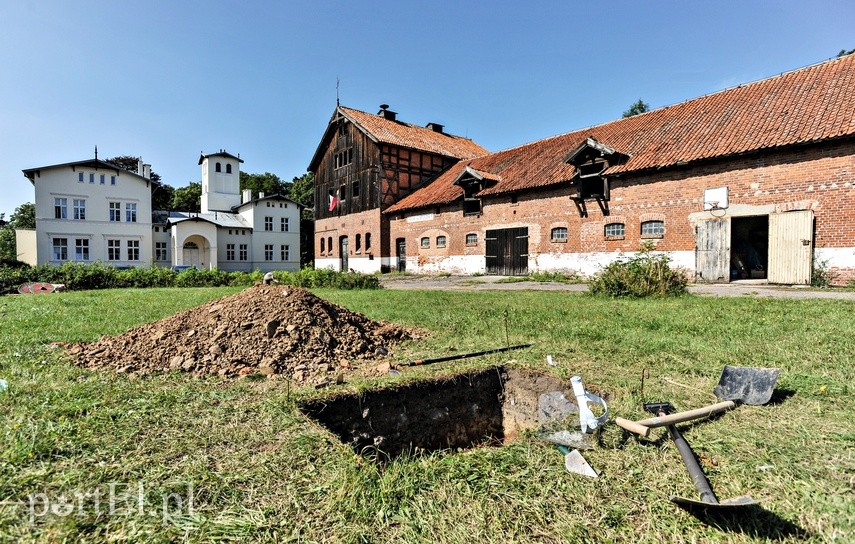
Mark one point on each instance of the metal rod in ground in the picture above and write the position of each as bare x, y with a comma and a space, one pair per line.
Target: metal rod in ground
463, 355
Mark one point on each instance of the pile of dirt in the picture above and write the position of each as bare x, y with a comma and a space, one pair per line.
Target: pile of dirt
269, 330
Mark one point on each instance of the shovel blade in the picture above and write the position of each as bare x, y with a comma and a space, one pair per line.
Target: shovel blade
728, 505
747, 385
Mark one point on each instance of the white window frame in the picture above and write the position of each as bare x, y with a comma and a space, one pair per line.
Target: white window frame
160, 251
243, 252
653, 229
284, 224
81, 249
268, 224
285, 252
60, 208
114, 250
130, 212
268, 252
115, 212
617, 230
60, 244
424, 242
559, 235
79, 209
441, 241
133, 250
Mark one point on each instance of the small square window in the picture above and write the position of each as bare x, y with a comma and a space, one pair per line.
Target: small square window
440, 241
559, 234
615, 230
471, 239
425, 242
653, 229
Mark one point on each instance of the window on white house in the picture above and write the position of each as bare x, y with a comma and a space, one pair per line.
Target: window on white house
218, 167
133, 250
284, 224
114, 250
91, 178
230, 252
101, 180
268, 252
115, 211
425, 242
60, 208
268, 224
615, 230
112, 180
559, 234
80, 177
440, 241
228, 168
243, 252
79, 209
284, 252
471, 239
131, 213
81, 249
60, 249
160, 251
653, 229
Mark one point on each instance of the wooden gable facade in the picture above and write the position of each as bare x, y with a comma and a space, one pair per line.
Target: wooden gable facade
364, 164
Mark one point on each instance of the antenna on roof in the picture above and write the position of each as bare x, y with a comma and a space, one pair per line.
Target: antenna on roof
96, 152
337, 104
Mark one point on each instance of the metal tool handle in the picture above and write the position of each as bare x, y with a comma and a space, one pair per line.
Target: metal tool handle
695, 470
680, 417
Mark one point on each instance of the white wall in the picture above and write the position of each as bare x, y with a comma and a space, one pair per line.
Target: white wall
62, 182
255, 213
220, 190
25, 246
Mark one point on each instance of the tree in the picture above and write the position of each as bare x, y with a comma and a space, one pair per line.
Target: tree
188, 199
302, 190
24, 217
636, 108
267, 183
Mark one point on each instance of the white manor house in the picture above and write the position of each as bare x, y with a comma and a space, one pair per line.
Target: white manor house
92, 210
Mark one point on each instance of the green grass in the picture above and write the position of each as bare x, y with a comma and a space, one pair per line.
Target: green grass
261, 472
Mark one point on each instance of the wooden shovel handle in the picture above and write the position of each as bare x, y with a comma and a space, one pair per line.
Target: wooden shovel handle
632, 426
688, 415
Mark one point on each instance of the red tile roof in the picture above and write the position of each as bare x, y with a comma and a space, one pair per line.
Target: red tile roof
807, 105
386, 131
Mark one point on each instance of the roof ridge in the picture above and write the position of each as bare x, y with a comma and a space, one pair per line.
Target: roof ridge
410, 125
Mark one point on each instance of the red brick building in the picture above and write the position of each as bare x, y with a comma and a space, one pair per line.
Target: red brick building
364, 164
751, 182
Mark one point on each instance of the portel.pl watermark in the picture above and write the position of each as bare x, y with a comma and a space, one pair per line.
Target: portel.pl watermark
111, 499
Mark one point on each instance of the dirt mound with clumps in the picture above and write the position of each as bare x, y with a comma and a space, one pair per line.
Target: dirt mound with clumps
269, 330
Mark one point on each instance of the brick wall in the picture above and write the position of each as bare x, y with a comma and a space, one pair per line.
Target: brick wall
820, 178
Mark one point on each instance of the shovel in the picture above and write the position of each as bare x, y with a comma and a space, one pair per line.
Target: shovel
737, 385
708, 500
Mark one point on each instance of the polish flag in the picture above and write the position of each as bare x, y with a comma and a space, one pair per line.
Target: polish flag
333, 202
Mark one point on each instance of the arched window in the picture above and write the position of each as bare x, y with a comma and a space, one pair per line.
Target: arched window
228, 168
329, 245
323, 244
425, 242
471, 239
367, 241
218, 167
358, 242
653, 229
615, 230
559, 234
440, 241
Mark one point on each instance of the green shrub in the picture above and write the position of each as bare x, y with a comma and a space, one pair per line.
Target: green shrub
822, 275
643, 275
311, 278
146, 277
561, 277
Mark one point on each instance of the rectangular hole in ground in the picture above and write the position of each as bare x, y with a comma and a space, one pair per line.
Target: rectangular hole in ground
459, 412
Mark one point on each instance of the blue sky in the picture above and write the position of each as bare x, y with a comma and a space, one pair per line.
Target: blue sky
166, 80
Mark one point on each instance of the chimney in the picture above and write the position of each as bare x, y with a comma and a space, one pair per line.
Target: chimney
260, 194
140, 169
436, 127
247, 196
386, 113
147, 171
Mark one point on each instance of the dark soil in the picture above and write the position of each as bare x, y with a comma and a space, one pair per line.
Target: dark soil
268, 330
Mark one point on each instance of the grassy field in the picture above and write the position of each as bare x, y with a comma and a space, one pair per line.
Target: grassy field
72, 441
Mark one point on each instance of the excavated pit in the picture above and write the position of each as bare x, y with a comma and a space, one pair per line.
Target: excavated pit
487, 407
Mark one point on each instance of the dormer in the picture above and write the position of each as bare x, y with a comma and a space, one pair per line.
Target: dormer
472, 182
590, 159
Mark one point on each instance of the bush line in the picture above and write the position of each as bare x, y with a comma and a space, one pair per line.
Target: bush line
79, 276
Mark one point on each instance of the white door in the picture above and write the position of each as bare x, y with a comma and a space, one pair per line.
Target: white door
712, 251
791, 247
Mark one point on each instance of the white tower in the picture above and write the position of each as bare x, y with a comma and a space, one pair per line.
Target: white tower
220, 181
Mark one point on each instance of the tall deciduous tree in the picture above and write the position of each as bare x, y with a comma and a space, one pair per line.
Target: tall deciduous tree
188, 199
24, 217
636, 108
267, 183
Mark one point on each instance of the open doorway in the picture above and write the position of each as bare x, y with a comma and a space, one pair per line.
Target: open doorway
749, 247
